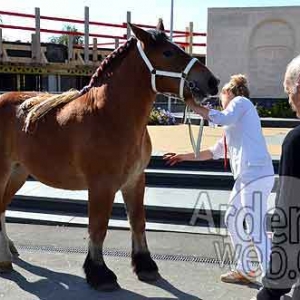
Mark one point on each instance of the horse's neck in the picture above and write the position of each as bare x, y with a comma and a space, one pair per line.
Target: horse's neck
129, 90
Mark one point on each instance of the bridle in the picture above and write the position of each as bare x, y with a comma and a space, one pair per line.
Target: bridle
191, 85
181, 75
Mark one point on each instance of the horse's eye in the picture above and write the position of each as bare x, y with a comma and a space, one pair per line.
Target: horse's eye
168, 53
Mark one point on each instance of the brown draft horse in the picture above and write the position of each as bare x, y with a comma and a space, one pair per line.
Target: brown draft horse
97, 139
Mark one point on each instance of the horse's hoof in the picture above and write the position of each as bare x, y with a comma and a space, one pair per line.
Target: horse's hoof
145, 267
99, 276
108, 287
6, 266
148, 276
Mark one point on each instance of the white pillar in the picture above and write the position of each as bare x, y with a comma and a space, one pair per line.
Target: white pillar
117, 43
191, 30
86, 34
128, 21
95, 50
171, 38
38, 33
70, 47
171, 20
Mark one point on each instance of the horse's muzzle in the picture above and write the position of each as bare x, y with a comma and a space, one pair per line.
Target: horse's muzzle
213, 84
197, 93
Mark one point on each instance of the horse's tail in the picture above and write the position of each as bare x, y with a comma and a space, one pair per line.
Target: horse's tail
30, 103
37, 107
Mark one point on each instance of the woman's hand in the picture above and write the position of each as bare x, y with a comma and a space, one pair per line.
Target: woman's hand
173, 158
198, 108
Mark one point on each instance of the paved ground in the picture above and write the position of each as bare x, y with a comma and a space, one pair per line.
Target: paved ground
50, 268
176, 138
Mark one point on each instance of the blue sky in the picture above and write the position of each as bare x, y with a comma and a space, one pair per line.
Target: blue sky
114, 11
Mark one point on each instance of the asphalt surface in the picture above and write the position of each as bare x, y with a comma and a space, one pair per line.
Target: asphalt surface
51, 258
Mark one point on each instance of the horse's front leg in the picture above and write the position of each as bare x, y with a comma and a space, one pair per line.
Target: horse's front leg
98, 275
143, 265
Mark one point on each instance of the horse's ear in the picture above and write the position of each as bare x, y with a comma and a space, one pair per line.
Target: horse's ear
140, 34
160, 25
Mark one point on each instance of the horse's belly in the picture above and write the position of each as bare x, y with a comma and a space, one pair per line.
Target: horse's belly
51, 162
71, 182
56, 173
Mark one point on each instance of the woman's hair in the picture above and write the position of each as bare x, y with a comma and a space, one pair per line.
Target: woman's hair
237, 85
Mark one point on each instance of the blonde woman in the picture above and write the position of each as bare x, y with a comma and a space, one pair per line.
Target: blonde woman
253, 172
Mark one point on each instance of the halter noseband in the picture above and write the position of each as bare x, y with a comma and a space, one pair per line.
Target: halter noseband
182, 76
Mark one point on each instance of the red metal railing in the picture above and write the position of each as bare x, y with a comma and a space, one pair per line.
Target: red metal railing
177, 33
62, 31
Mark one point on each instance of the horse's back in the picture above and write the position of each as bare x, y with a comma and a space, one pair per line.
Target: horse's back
15, 98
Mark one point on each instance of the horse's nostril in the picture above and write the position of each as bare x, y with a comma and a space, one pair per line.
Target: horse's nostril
192, 85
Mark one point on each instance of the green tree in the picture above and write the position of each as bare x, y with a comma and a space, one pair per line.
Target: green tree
63, 39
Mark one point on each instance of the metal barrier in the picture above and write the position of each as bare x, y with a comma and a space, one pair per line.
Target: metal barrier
188, 34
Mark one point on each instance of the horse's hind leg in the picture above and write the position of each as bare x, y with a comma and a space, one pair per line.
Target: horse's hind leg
5, 254
144, 266
11, 181
16, 179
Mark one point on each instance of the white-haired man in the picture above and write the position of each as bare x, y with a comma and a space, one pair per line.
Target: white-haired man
284, 268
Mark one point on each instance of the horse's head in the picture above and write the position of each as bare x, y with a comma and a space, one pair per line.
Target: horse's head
173, 71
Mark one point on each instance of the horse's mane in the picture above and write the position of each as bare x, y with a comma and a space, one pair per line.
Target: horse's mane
36, 107
102, 72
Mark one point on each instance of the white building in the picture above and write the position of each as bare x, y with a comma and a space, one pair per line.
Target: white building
258, 42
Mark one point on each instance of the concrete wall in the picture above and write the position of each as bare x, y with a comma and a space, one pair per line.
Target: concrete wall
258, 42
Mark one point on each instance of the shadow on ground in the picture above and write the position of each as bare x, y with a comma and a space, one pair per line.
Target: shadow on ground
58, 285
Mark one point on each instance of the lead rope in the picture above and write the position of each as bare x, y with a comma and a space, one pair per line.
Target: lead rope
225, 152
195, 145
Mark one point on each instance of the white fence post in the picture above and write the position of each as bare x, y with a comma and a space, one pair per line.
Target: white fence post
95, 50
191, 31
70, 47
128, 21
38, 34
117, 43
86, 34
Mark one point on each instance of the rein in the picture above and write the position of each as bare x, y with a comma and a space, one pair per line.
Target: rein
196, 145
